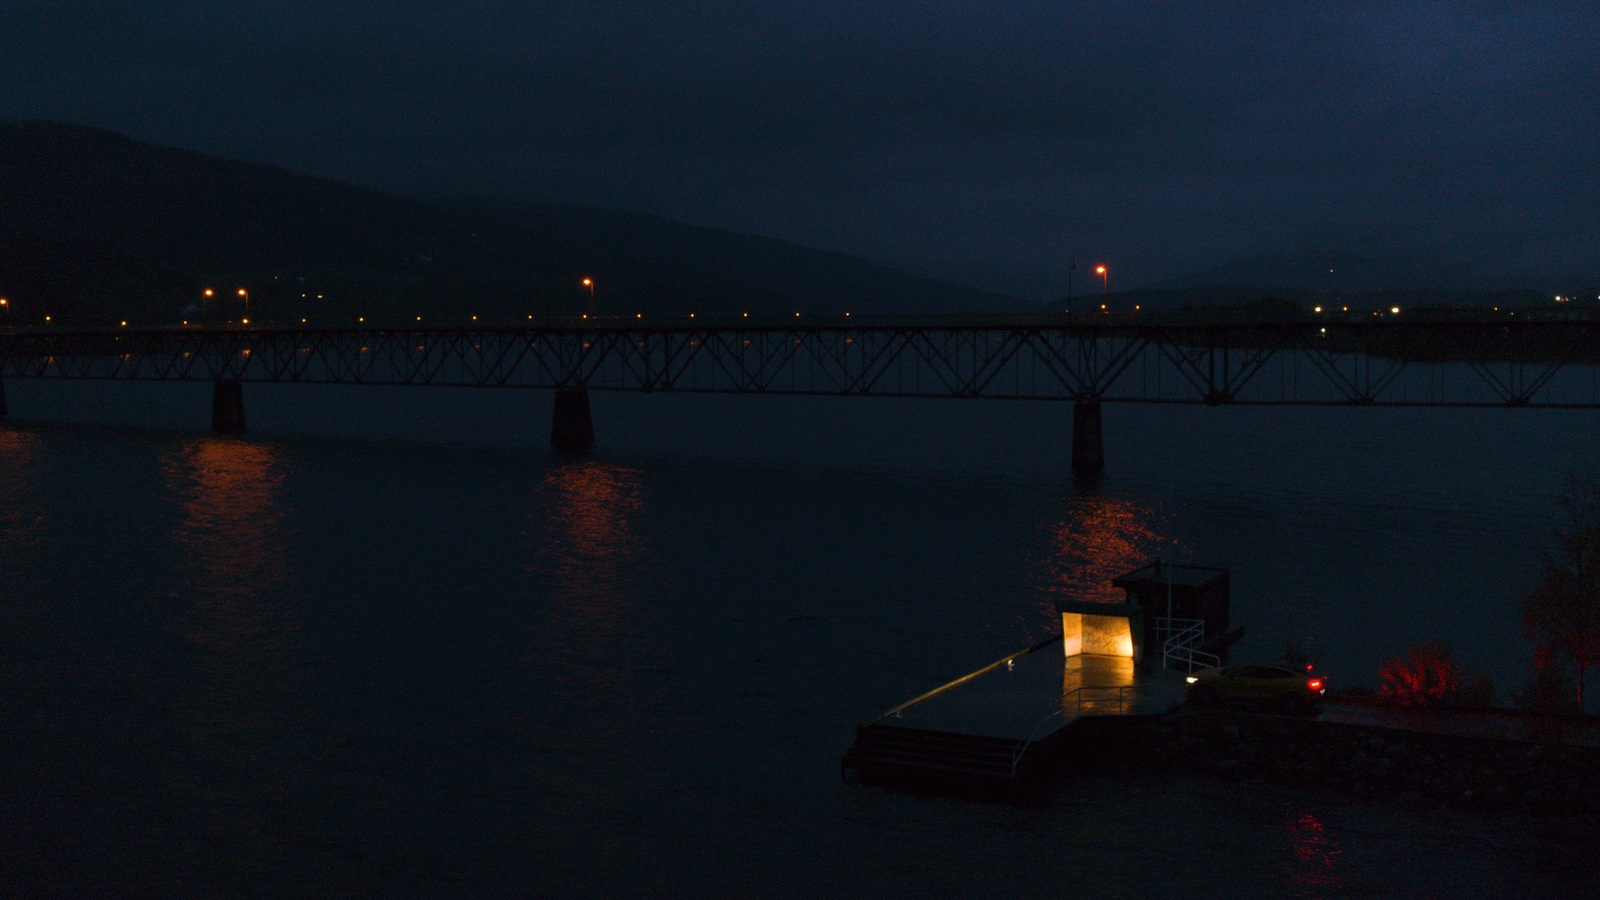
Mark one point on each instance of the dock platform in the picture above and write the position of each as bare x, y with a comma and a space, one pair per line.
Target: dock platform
997, 727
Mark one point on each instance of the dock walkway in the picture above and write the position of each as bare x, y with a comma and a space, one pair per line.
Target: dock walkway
995, 727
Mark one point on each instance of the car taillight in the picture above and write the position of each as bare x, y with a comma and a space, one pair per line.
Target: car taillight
1315, 684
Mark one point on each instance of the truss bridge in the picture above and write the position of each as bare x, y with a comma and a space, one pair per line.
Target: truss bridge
1500, 362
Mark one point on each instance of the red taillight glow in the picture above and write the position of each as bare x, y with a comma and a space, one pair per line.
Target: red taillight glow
1315, 684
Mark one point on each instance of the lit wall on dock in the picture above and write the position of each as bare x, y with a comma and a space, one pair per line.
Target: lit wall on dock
1098, 635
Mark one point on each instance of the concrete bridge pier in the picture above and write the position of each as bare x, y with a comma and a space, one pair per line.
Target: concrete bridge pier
1088, 444
571, 428
227, 407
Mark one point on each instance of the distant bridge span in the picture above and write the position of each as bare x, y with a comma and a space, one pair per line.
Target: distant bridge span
1500, 362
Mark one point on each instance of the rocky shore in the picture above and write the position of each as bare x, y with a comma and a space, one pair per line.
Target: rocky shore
1537, 778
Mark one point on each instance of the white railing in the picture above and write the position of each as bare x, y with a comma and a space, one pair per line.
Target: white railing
1181, 644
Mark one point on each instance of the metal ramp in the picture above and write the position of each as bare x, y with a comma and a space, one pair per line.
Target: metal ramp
994, 731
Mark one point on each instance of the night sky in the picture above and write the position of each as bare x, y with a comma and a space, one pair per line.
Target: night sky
986, 142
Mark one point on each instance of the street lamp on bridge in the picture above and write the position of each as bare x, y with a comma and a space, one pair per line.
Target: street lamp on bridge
588, 284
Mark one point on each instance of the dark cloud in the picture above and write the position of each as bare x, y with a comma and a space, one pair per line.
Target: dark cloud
986, 141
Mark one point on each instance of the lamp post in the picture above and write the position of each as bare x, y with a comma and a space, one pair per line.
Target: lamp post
1105, 284
1072, 266
5, 307
588, 284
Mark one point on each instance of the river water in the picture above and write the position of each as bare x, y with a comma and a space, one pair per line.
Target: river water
387, 644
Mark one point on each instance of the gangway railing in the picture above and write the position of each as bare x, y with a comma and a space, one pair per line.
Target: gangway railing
1009, 659
1075, 702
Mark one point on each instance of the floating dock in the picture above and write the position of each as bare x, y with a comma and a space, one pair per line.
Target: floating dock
1001, 726
998, 728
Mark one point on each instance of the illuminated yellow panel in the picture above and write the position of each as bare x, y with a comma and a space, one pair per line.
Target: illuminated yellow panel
1107, 636
1072, 633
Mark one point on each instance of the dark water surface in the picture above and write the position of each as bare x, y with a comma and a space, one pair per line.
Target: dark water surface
389, 645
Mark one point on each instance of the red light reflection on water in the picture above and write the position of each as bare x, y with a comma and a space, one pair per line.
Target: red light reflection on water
1314, 859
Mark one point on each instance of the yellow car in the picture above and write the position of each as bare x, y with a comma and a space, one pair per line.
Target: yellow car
1296, 691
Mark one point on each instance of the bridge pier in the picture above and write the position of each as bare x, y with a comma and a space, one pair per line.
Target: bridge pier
1088, 443
571, 428
227, 407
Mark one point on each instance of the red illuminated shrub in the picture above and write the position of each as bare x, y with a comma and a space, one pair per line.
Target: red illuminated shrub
1426, 676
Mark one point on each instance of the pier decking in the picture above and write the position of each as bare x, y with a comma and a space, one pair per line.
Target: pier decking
997, 727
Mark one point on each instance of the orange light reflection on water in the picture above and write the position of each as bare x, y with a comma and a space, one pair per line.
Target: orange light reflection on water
1095, 539
588, 547
231, 534
21, 515
233, 701
234, 588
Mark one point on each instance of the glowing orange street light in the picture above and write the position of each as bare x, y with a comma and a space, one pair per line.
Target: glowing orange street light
1105, 279
588, 284
5, 307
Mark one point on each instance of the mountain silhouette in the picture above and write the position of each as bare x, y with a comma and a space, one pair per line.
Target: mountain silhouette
96, 228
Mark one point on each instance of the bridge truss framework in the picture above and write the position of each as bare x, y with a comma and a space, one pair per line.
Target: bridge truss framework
1390, 363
